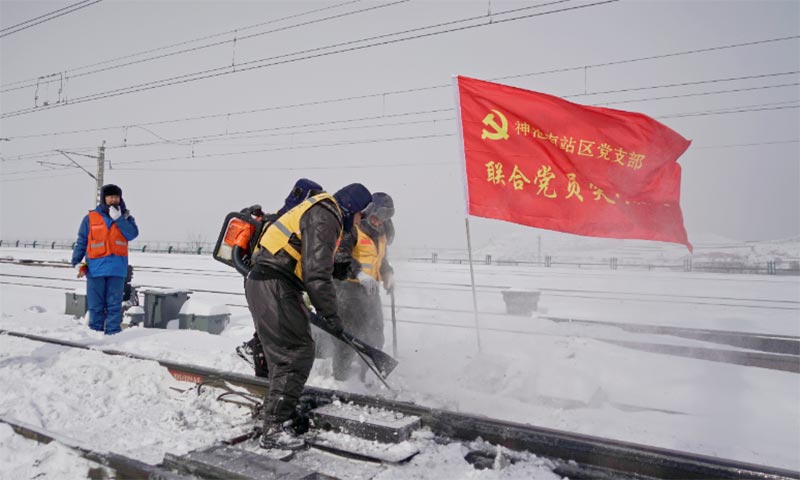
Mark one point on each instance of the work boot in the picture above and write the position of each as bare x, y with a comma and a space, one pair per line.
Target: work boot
246, 353
281, 436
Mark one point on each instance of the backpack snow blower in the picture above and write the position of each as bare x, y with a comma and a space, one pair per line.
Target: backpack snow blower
236, 241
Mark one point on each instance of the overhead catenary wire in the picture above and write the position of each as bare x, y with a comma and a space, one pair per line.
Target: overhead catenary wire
449, 85
727, 110
231, 135
3, 87
34, 81
46, 17
281, 59
390, 139
41, 174
580, 94
236, 38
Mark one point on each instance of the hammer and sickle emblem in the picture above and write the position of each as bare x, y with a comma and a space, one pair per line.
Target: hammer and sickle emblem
500, 131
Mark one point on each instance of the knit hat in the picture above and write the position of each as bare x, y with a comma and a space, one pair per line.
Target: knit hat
110, 189
302, 189
352, 199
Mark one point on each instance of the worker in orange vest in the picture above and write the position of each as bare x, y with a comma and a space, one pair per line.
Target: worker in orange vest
103, 240
363, 252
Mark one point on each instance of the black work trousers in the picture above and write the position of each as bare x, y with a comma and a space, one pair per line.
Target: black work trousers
282, 323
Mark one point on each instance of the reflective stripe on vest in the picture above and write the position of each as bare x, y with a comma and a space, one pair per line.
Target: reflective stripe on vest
369, 255
276, 237
104, 241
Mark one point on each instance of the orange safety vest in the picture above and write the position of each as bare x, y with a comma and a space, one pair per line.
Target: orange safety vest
104, 241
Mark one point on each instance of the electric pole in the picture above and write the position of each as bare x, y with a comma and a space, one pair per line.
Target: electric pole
539, 255
101, 161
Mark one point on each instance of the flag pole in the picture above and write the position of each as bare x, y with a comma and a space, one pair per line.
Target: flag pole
466, 212
472, 280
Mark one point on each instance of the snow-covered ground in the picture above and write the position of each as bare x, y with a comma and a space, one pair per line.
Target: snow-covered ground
529, 369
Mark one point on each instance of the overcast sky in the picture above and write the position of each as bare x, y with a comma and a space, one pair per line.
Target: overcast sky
177, 150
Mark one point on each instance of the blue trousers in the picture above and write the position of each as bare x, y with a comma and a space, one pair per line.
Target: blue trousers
104, 300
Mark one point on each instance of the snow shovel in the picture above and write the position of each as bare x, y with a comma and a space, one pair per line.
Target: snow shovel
379, 362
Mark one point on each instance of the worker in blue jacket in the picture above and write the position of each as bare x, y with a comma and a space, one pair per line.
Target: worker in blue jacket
103, 239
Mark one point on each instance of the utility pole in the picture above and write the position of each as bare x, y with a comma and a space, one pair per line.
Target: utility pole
539, 255
101, 161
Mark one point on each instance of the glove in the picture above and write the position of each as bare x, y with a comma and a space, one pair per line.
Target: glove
81, 270
335, 324
114, 212
369, 283
388, 282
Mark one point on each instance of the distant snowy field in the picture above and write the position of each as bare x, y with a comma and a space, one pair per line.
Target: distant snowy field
529, 369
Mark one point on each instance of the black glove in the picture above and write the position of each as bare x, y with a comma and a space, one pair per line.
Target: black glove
341, 270
334, 324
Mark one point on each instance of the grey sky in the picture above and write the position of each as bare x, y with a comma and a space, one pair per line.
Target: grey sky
729, 189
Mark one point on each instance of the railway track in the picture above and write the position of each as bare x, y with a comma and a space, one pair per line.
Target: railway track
572, 455
606, 295
123, 467
776, 352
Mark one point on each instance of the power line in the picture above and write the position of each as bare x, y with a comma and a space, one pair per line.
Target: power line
675, 54
359, 165
686, 95
751, 108
293, 132
49, 153
49, 16
35, 80
254, 64
747, 108
419, 89
41, 16
279, 30
246, 133
230, 154
312, 167
738, 145
743, 109
233, 135
209, 45
686, 84
179, 44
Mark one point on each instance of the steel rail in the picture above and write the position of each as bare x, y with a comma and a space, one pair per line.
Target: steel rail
575, 455
125, 467
597, 296
775, 352
569, 293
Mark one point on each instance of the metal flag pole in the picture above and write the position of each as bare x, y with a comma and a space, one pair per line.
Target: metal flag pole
466, 205
472, 280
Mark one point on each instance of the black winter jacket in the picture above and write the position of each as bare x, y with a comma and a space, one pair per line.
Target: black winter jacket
319, 226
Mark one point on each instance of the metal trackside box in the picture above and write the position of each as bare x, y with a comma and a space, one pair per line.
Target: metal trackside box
207, 318
75, 304
162, 305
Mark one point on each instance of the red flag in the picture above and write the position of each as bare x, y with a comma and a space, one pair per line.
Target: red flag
542, 161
